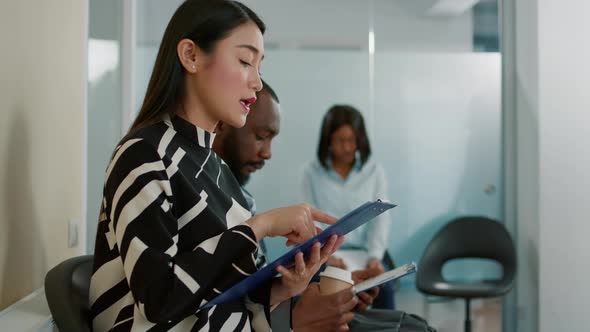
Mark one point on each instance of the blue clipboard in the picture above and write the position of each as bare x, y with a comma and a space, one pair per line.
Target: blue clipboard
344, 225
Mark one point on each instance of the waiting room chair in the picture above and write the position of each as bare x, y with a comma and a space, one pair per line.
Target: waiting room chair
66, 289
467, 237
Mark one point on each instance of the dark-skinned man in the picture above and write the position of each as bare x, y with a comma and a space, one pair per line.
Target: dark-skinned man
245, 150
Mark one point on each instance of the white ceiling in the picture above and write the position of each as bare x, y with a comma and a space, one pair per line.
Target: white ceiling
398, 24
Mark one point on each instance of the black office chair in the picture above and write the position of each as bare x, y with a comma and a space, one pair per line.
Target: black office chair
467, 237
66, 289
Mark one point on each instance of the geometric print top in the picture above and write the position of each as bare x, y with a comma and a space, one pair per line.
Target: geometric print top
171, 236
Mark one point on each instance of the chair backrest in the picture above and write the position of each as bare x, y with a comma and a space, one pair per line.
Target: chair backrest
468, 237
66, 289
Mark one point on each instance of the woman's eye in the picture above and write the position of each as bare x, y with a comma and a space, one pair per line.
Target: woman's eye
246, 64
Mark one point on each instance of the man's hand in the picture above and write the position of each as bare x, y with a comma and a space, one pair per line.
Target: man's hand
366, 298
362, 275
375, 264
315, 312
336, 262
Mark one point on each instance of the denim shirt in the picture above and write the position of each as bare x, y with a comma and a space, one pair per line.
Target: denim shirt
326, 190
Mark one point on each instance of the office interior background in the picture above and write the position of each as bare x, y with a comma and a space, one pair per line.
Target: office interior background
473, 107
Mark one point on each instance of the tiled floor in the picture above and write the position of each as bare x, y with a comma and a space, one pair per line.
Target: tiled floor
448, 315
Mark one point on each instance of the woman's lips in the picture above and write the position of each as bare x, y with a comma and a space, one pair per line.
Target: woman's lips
251, 100
247, 102
245, 106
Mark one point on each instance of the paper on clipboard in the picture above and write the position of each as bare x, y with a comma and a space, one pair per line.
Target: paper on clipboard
396, 273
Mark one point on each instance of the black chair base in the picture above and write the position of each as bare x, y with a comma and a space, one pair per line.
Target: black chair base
467, 315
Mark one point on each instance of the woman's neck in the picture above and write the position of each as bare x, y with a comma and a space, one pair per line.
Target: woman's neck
193, 111
343, 169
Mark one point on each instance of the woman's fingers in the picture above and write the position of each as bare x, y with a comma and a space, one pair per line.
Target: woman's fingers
299, 264
339, 241
323, 253
308, 221
298, 271
312, 262
328, 248
284, 271
319, 255
315, 257
299, 234
307, 230
322, 217
294, 222
304, 228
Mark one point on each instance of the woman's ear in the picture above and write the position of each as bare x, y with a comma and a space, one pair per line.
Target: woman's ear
188, 53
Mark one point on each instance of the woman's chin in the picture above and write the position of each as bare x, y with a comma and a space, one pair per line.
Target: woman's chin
346, 161
237, 122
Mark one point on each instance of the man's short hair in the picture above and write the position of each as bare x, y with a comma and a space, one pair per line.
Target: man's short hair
271, 92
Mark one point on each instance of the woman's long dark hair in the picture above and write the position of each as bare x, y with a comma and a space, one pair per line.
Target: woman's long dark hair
205, 22
336, 117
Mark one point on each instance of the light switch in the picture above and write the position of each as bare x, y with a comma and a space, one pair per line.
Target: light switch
72, 233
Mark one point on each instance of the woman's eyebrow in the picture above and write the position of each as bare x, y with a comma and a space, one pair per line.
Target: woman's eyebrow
251, 48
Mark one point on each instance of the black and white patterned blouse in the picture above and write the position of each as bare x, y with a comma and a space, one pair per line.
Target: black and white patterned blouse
171, 236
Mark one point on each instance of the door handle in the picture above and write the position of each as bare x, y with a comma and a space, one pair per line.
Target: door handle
490, 189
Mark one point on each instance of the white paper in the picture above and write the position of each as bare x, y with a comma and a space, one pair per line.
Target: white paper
385, 277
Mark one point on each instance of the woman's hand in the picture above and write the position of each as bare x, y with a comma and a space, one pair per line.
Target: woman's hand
293, 222
297, 278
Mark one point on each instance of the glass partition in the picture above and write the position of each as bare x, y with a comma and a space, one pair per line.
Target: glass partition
425, 74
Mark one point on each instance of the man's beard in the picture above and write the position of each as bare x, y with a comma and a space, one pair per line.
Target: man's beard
242, 179
232, 160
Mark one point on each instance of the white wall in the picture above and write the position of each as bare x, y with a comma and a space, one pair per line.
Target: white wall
552, 137
564, 154
42, 102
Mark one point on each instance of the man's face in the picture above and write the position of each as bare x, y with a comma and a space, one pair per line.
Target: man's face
247, 148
